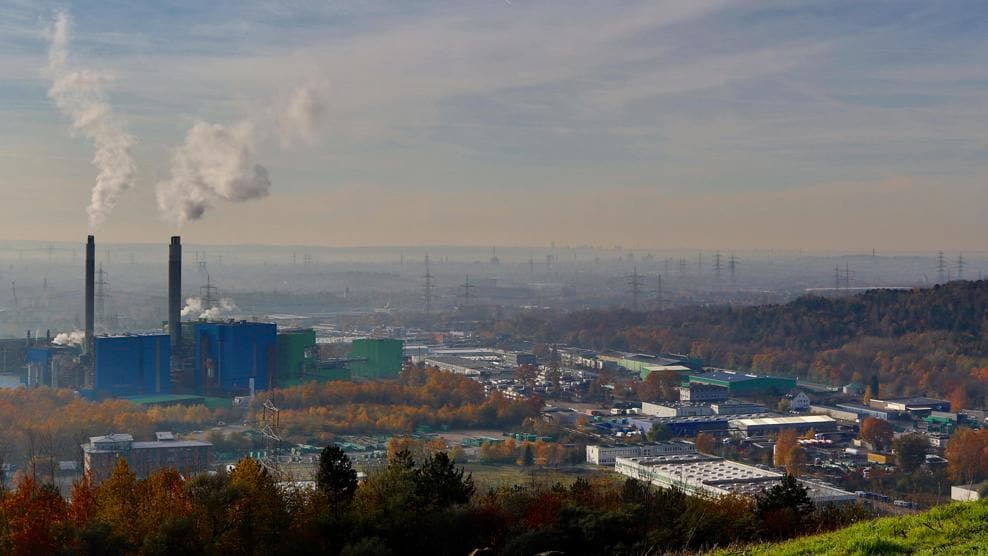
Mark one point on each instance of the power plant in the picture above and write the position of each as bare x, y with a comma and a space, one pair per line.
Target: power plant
200, 357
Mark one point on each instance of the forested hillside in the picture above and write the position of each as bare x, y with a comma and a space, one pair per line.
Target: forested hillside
931, 341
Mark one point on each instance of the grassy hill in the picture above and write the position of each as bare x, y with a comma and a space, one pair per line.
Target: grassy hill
960, 528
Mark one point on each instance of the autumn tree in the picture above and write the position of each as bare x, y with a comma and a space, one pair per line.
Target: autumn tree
877, 432
705, 443
967, 453
785, 442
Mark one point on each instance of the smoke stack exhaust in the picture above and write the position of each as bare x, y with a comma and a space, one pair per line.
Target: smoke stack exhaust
175, 298
90, 295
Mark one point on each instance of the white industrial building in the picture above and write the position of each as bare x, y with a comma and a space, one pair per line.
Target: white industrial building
772, 425
606, 454
706, 475
674, 409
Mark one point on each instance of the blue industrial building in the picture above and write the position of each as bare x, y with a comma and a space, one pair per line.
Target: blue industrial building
234, 357
133, 365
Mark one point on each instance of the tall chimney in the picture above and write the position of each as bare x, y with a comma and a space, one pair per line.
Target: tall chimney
89, 346
175, 299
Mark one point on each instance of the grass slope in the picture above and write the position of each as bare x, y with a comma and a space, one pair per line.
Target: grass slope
959, 528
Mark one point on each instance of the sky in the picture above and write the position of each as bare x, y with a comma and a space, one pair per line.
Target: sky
698, 124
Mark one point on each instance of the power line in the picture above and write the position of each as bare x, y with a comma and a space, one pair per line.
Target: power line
467, 286
427, 287
636, 286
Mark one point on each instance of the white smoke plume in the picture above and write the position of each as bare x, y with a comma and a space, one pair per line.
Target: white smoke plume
225, 307
194, 308
302, 115
80, 95
213, 164
76, 337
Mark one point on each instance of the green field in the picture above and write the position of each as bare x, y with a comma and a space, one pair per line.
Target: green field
959, 528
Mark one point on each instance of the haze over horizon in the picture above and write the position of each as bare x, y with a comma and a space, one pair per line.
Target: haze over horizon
709, 125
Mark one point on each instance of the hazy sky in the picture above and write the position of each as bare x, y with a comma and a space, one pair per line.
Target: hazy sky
719, 124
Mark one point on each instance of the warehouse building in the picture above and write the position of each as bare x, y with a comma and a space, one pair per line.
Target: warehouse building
703, 393
605, 454
691, 426
773, 425
910, 405
706, 475
737, 407
188, 457
741, 384
672, 409
838, 413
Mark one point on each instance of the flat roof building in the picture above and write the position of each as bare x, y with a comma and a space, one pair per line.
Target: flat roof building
675, 409
741, 384
914, 404
706, 475
188, 457
772, 425
605, 454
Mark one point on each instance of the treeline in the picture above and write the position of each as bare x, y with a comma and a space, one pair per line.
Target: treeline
317, 412
932, 341
408, 507
42, 424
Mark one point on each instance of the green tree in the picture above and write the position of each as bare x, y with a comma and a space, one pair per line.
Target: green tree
910, 451
784, 507
336, 477
527, 456
439, 483
659, 433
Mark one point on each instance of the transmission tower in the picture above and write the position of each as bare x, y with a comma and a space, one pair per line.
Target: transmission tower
269, 427
699, 263
531, 265
837, 277
635, 282
467, 287
658, 290
717, 265
732, 265
960, 266
427, 288
208, 294
682, 265
941, 266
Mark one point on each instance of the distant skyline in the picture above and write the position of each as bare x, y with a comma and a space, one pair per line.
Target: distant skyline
712, 125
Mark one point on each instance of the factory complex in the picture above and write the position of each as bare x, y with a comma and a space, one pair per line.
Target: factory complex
187, 360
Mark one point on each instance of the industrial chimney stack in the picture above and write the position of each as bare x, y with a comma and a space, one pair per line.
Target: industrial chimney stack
175, 300
88, 348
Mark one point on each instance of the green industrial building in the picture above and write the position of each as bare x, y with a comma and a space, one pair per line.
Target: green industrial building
376, 358
294, 355
741, 384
